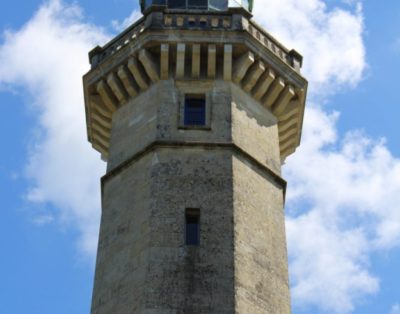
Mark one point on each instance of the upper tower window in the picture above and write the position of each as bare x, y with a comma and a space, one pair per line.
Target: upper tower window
195, 110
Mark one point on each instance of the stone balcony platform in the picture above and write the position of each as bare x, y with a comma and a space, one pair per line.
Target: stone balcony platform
198, 46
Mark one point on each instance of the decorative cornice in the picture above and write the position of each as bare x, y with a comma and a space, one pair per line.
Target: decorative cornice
195, 46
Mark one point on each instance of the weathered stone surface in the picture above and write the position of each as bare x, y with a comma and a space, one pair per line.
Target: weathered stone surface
254, 129
155, 171
235, 118
229, 169
154, 116
261, 274
143, 263
123, 252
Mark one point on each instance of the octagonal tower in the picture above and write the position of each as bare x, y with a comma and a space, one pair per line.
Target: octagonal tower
194, 107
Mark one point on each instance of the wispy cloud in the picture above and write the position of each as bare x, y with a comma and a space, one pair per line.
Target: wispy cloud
47, 57
395, 309
43, 220
396, 45
119, 26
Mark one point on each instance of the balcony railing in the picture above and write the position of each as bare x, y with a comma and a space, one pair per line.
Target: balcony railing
196, 20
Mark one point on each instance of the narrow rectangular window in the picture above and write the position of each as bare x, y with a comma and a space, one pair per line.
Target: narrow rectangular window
192, 228
176, 4
195, 110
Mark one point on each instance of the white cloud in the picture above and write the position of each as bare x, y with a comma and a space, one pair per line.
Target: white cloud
343, 192
48, 57
343, 204
329, 265
329, 40
351, 176
395, 309
338, 205
125, 23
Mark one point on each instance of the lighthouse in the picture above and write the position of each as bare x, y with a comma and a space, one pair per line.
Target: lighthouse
194, 108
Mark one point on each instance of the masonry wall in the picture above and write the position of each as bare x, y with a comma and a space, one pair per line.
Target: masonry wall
191, 279
261, 273
156, 170
124, 242
143, 263
155, 116
255, 130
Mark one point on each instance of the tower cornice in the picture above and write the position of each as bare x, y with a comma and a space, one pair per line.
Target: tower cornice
225, 46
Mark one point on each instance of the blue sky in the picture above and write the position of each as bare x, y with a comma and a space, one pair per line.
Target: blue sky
343, 212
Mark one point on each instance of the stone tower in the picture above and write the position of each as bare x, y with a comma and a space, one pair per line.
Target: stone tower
194, 107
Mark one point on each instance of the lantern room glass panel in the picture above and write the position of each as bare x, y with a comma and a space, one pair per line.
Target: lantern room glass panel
202, 5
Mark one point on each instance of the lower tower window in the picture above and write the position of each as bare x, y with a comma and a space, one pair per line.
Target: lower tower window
192, 227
